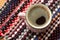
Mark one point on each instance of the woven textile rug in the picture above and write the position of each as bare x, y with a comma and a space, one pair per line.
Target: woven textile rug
13, 26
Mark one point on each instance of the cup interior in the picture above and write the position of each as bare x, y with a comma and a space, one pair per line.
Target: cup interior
38, 11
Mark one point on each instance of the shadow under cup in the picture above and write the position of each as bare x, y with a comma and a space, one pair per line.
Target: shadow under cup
38, 16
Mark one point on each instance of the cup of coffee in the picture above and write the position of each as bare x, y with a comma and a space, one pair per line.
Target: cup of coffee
38, 16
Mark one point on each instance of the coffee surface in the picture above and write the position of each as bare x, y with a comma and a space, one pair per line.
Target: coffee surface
41, 20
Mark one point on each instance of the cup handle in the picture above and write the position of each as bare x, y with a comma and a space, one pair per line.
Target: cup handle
22, 15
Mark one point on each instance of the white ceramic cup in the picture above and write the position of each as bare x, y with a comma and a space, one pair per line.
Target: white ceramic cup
36, 11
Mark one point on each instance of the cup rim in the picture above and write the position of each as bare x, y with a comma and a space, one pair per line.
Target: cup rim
43, 7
